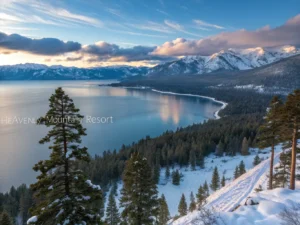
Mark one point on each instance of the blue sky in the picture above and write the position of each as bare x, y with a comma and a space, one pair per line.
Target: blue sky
128, 23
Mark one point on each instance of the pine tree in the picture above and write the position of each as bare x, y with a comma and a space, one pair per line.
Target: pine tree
201, 196
220, 149
256, 160
269, 132
200, 161
291, 119
112, 213
192, 203
176, 177
242, 168
114, 188
206, 189
182, 207
223, 181
193, 160
245, 147
167, 173
5, 219
63, 190
215, 181
282, 171
236, 172
164, 214
139, 193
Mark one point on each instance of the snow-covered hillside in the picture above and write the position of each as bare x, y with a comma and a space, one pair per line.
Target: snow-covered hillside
265, 209
191, 180
232, 59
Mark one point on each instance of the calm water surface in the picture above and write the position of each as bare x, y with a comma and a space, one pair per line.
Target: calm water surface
135, 114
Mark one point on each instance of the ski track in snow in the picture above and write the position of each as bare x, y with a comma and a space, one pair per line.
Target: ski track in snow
235, 193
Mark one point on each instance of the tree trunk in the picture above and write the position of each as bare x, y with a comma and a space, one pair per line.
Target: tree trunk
271, 168
67, 186
293, 160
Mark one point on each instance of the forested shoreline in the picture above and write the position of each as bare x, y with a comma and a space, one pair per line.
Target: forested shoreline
236, 130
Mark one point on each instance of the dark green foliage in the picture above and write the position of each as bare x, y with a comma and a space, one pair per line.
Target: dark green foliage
182, 207
16, 203
201, 196
206, 189
192, 202
112, 213
176, 177
242, 168
62, 190
193, 159
256, 160
270, 130
167, 172
215, 181
220, 149
163, 211
236, 172
223, 181
139, 193
282, 171
5, 219
174, 147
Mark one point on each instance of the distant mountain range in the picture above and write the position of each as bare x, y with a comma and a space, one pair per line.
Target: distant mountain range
232, 60
31, 71
223, 61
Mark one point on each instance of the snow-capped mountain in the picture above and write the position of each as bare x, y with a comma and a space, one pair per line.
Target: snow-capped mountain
30, 71
232, 59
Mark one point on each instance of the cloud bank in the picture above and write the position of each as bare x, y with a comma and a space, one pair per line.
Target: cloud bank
288, 33
44, 46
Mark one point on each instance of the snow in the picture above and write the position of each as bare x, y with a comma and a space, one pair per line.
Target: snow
32, 220
94, 186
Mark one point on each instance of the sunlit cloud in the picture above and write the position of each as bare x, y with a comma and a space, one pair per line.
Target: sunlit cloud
286, 34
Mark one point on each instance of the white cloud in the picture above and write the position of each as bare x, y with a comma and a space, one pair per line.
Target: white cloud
202, 23
178, 27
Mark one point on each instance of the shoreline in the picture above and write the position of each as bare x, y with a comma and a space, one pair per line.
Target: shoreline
216, 114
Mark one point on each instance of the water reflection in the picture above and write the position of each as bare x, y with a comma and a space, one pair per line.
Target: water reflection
136, 113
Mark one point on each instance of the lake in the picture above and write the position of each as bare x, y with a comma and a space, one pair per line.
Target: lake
113, 116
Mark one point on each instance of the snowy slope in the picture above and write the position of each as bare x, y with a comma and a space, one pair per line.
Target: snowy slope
231, 59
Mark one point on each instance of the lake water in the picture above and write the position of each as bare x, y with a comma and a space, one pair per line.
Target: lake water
121, 116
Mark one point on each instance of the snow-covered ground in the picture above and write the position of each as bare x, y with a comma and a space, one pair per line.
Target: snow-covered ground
266, 211
193, 179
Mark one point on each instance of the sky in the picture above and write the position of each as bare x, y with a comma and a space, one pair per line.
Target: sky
87, 33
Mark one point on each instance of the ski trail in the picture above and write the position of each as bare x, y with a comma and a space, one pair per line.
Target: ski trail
232, 195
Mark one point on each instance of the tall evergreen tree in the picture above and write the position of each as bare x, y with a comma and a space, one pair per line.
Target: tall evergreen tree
182, 207
291, 119
215, 181
193, 160
245, 147
139, 193
201, 196
5, 219
242, 168
112, 213
176, 177
167, 172
220, 149
64, 192
163, 211
192, 202
269, 132
256, 160
206, 189
236, 172
223, 181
